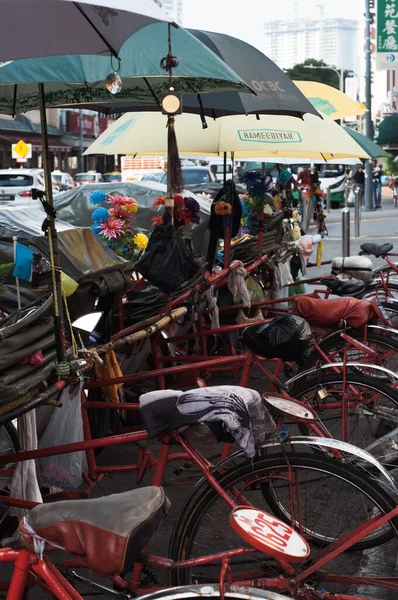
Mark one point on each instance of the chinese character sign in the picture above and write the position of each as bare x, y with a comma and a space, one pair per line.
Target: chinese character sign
387, 35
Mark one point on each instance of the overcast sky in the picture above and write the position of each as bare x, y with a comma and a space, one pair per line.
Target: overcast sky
245, 19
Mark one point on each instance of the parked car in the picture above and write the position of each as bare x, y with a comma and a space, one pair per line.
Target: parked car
153, 176
74, 207
89, 177
16, 185
111, 177
194, 176
63, 180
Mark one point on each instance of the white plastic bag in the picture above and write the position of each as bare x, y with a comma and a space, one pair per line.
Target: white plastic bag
24, 483
351, 198
64, 427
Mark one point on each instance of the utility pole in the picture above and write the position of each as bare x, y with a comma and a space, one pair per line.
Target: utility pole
368, 102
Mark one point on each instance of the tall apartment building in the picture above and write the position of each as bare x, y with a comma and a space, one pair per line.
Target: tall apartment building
290, 42
174, 9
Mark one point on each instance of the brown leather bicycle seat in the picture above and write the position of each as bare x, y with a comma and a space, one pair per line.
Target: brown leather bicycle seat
327, 313
108, 532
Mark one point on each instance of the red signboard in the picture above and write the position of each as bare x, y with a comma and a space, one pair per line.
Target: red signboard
93, 125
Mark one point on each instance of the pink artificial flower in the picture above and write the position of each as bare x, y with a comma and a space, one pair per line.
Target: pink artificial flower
118, 213
120, 201
111, 228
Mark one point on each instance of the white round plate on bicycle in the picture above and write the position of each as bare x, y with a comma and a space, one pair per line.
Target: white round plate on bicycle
268, 534
291, 407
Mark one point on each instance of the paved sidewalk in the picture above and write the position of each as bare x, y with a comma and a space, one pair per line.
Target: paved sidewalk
376, 226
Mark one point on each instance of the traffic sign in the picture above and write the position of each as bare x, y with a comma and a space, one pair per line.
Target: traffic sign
21, 150
22, 160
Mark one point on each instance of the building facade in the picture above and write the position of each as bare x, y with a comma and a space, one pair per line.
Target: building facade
290, 42
174, 9
65, 142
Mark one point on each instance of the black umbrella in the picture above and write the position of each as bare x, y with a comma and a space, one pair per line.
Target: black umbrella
276, 93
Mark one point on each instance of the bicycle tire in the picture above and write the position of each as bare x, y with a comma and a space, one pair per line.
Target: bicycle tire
391, 308
358, 334
380, 293
199, 504
303, 387
195, 592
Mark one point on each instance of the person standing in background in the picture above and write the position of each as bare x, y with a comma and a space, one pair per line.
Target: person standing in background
377, 174
304, 177
359, 180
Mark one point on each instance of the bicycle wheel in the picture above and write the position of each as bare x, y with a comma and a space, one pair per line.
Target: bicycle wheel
376, 290
329, 498
339, 349
194, 592
390, 307
373, 410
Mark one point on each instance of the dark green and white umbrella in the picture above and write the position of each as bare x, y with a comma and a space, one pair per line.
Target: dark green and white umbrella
66, 79
37, 28
367, 144
80, 79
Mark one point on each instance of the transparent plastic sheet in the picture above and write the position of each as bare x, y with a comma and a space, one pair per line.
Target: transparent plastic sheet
65, 426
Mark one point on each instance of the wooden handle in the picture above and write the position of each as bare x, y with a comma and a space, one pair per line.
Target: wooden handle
144, 333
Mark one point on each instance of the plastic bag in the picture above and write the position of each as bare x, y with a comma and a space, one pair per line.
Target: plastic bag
351, 198
24, 483
64, 427
359, 267
167, 261
287, 337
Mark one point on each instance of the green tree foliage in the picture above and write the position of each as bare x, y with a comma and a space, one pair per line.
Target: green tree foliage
300, 73
390, 167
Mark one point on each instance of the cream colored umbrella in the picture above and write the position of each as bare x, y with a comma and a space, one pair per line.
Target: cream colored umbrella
268, 136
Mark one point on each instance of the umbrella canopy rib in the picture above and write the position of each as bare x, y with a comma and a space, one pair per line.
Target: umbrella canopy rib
97, 31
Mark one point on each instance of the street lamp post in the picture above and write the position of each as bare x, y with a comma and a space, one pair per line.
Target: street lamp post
368, 101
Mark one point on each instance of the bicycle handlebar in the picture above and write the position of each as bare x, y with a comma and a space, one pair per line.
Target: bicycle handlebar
18, 411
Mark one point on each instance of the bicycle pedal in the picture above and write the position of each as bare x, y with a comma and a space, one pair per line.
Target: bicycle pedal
187, 467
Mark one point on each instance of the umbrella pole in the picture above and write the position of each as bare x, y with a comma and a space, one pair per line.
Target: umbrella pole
227, 227
52, 235
175, 181
227, 219
261, 217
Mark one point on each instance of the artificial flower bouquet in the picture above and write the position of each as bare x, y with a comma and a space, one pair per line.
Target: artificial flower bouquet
114, 225
186, 213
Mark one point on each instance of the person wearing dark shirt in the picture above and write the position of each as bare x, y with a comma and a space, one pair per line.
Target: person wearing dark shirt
314, 176
377, 174
359, 181
359, 177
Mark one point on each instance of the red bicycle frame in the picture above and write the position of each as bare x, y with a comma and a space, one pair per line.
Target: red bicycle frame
33, 569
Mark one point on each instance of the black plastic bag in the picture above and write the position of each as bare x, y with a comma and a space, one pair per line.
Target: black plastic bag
287, 337
104, 422
216, 222
167, 261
